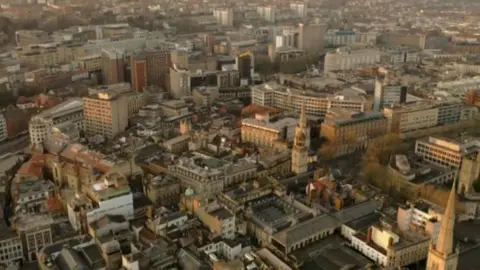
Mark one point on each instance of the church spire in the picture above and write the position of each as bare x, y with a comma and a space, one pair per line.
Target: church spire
303, 116
445, 237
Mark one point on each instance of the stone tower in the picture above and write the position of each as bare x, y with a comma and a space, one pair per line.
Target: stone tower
301, 144
468, 174
442, 255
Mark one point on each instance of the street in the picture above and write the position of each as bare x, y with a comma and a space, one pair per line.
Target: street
14, 145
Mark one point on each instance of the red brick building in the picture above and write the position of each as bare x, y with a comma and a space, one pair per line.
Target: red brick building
16, 120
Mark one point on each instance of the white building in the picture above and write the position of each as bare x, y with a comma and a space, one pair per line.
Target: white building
460, 86
390, 249
287, 37
230, 250
299, 9
423, 214
340, 38
70, 111
10, 246
447, 152
386, 94
276, 95
267, 13
224, 16
111, 196
402, 54
426, 114
3, 127
347, 58
226, 222
369, 38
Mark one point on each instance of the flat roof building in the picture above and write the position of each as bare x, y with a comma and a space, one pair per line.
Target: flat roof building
351, 130
317, 103
69, 111
447, 152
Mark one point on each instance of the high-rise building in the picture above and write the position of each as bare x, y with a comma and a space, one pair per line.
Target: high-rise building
289, 37
468, 174
113, 66
299, 9
105, 113
311, 37
157, 66
388, 94
224, 16
267, 13
442, 255
301, 144
179, 82
245, 65
179, 58
138, 75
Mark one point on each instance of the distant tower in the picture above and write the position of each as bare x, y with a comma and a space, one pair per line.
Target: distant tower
185, 127
301, 144
468, 174
441, 255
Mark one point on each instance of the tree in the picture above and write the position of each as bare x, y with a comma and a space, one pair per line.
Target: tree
292, 66
7, 98
437, 195
380, 149
375, 166
328, 150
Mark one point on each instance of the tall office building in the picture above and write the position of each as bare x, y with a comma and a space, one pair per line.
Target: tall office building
289, 37
388, 94
267, 13
299, 9
179, 82
311, 37
138, 75
157, 65
301, 144
224, 16
113, 66
105, 113
245, 64
179, 58
442, 255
